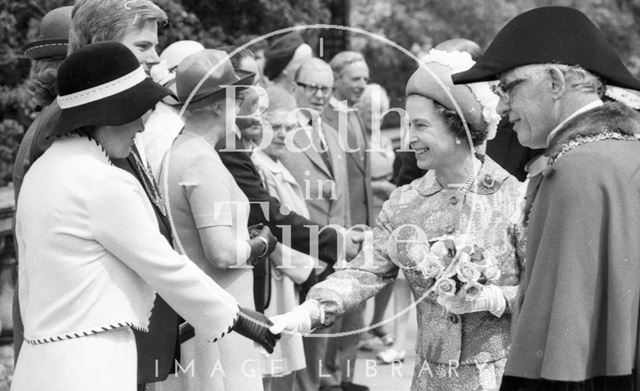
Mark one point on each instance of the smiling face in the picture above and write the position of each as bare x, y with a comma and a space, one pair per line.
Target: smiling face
430, 137
118, 140
528, 106
142, 42
352, 81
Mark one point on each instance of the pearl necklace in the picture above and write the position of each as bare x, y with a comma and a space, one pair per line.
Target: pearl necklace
468, 182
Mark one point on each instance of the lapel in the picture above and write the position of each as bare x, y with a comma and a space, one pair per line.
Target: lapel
359, 157
302, 141
146, 181
331, 116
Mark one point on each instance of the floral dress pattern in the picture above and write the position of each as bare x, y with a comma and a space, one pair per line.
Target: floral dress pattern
466, 352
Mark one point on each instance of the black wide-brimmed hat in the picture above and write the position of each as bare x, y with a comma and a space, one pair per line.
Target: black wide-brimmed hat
53, 37
204, 75
558, 35
103, 84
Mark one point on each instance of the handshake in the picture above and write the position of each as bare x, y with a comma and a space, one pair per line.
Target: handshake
262, 330
265, 332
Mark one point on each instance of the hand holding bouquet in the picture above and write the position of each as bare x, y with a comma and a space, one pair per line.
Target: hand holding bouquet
465, 275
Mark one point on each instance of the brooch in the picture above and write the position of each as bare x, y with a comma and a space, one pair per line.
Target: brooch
488, 182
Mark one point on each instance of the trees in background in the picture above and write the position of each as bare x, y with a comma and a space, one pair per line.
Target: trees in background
413, 24
422, 24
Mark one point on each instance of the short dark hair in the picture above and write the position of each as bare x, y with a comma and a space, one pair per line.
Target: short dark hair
453, 120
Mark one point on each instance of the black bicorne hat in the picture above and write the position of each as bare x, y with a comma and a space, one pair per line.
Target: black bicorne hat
558, 35
103, 84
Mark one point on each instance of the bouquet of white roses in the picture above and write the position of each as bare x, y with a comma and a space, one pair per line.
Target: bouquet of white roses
459, 267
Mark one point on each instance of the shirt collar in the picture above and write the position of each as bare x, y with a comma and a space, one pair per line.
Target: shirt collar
265, 161
338, 105
585, 108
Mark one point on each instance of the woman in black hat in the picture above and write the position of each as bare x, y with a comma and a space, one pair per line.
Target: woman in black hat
91, 255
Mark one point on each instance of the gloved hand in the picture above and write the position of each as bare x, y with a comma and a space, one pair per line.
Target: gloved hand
262, 243
490, 299
254, 325
298, 320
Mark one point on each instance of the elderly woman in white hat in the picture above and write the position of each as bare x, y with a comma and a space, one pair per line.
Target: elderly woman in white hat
209, 214
91, 254
461, 345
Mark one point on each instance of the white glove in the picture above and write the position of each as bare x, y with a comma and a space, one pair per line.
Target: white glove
490, 299
298, 320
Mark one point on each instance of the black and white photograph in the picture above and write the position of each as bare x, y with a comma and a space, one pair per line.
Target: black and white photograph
319, 195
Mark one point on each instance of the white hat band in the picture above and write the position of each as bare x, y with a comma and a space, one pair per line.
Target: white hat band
102, 91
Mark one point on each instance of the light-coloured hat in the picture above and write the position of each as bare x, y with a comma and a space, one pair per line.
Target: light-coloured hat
173, 54
433, 80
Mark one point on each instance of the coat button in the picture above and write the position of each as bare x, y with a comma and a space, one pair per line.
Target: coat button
449, 228
453, 200
453, 318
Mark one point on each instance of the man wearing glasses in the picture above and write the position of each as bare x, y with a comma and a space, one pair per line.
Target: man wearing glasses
576, 325
317, 162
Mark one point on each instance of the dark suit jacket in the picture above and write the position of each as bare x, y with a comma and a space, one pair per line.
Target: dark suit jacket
358, 163
247, 177
160, 343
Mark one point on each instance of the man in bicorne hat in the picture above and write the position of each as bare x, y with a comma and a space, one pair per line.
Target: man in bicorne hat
576, 322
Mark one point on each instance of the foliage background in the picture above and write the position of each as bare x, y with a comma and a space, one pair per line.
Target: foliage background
413, 24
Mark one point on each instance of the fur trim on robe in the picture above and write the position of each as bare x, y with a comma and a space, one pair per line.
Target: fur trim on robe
578, 315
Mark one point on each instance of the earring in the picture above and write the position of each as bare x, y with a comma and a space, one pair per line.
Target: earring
458, 142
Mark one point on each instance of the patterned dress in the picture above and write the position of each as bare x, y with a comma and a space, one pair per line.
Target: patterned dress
466, 352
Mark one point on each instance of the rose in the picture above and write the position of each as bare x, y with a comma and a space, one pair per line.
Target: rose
431, 266
446, 287
439, 250
471, 291
467, 272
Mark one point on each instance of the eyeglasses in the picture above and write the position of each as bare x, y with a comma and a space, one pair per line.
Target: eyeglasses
504, 90
311, 89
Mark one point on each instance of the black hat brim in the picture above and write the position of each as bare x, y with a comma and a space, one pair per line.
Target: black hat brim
46, 48
115, 110
557, 35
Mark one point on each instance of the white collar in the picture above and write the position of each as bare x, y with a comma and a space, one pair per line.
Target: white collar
585, 108
339, 105
264, 161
